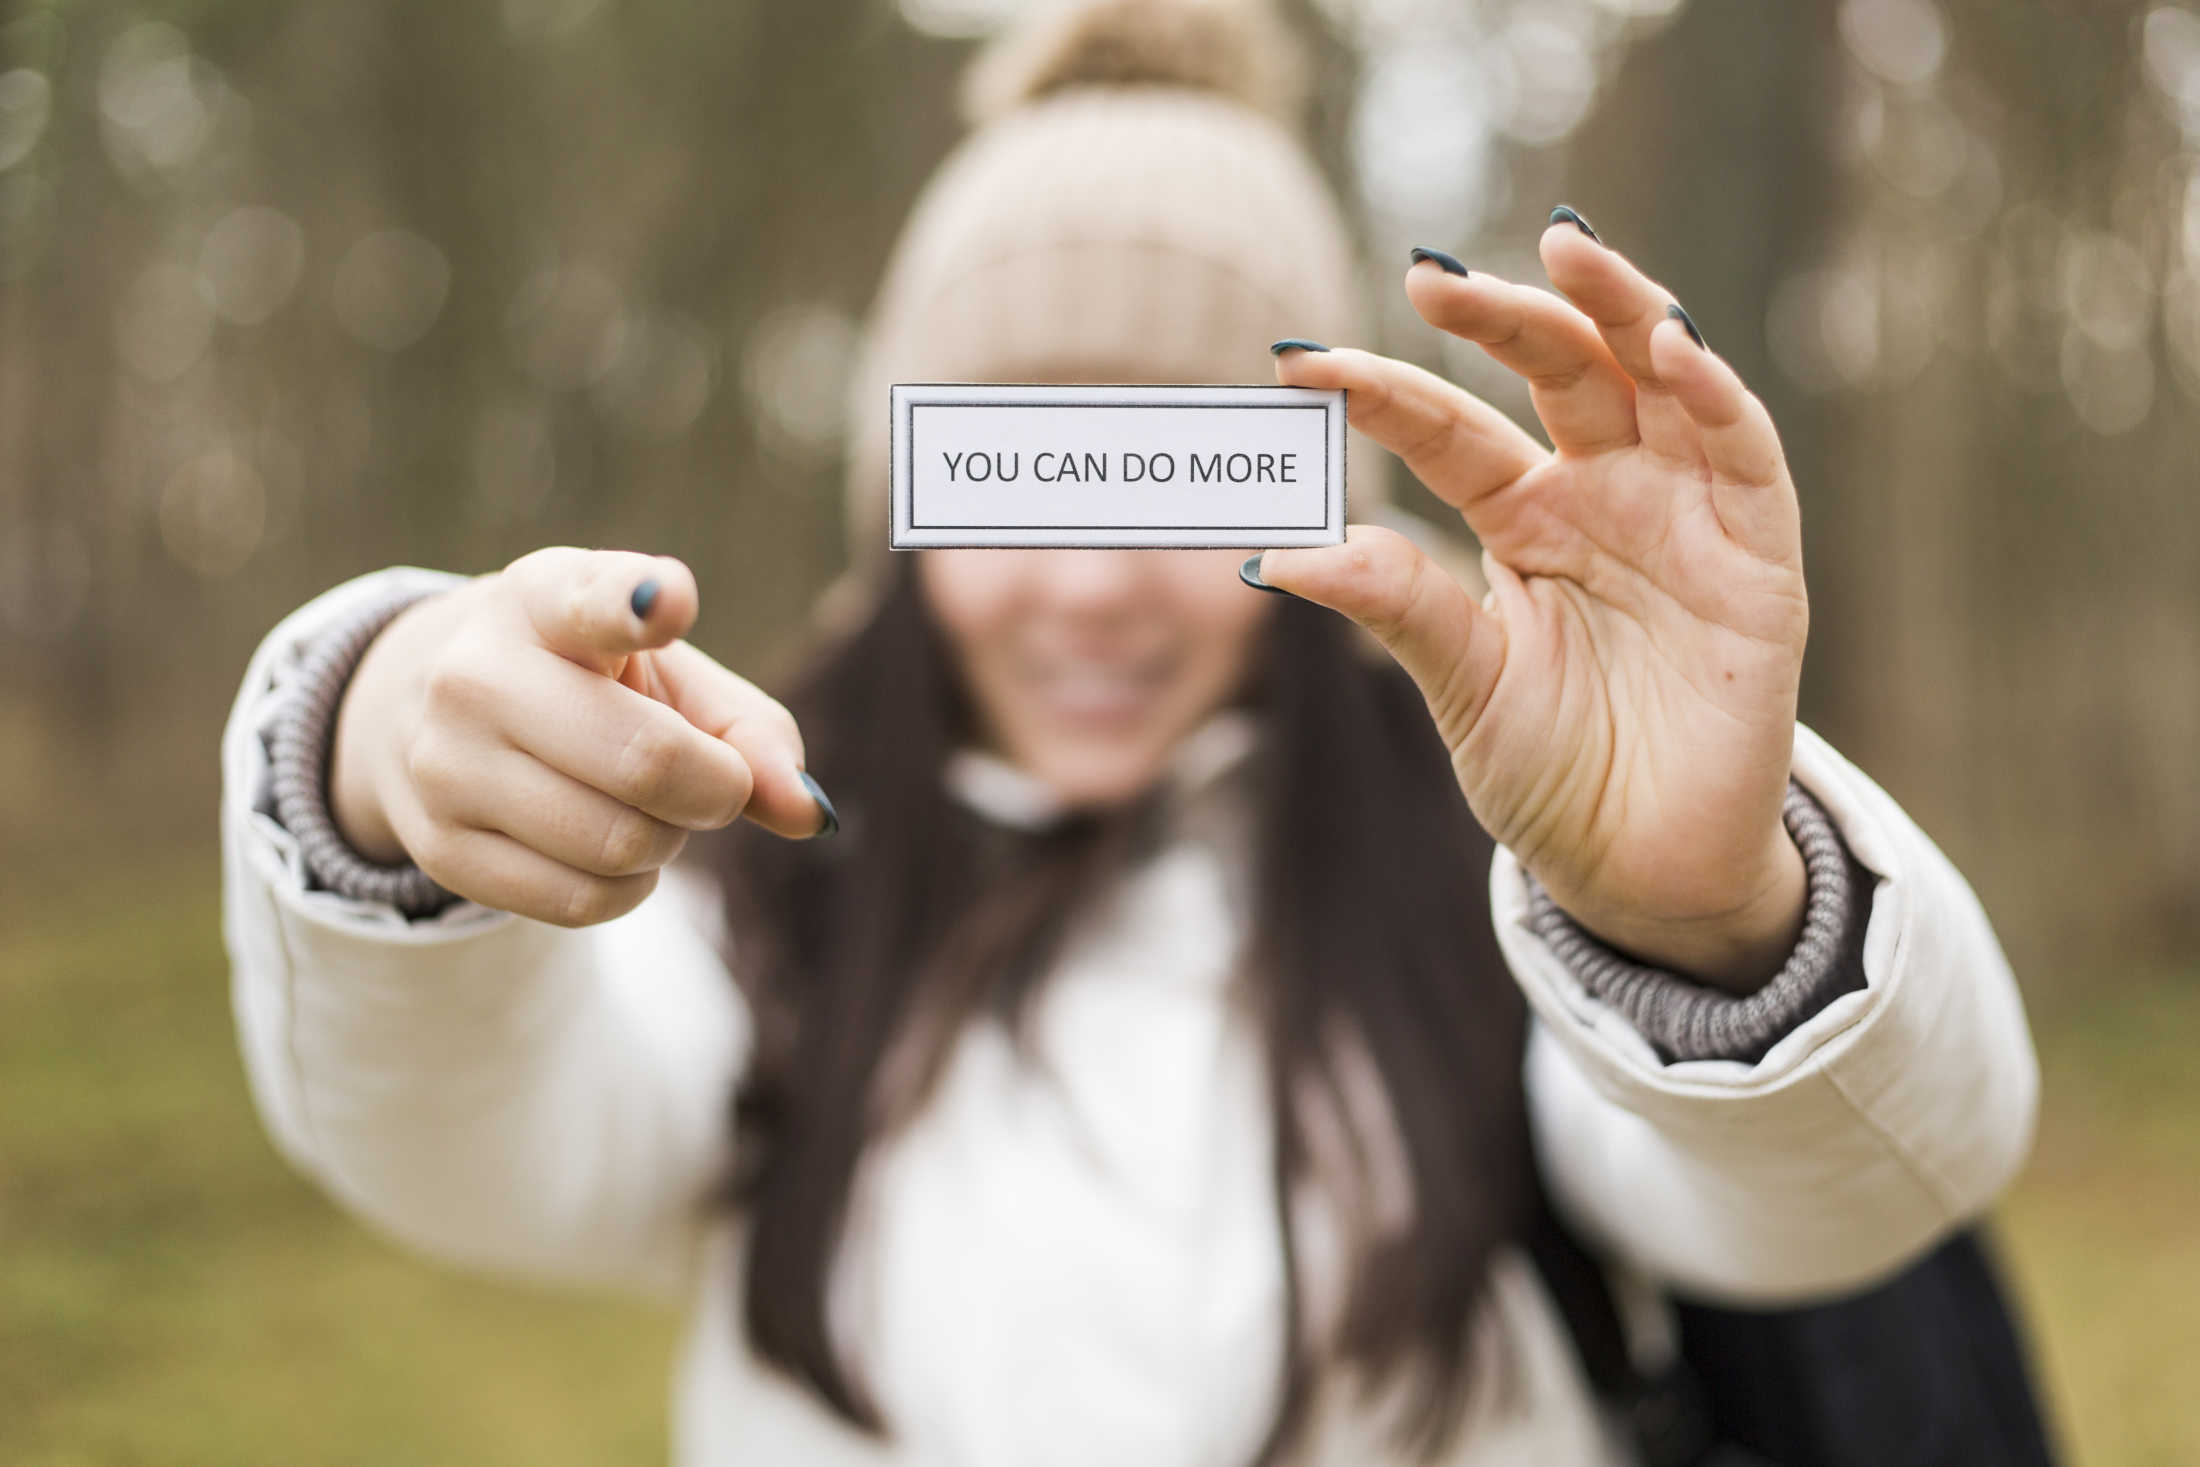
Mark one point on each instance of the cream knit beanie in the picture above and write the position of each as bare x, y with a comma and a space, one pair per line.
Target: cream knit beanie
1128, 210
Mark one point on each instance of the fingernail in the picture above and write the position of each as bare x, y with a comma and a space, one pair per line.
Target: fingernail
1249, 573
645, 596
825, 806
1564, 214
1295, 343
1674, 312
1447, 263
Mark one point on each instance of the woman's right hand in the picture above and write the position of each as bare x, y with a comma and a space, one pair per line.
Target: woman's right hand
541, 741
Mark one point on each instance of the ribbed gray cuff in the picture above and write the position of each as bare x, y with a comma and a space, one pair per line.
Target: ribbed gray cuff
1687, 1021
299, 751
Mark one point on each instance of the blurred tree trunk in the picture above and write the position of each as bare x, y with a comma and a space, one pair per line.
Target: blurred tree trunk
720, 165
2005, 593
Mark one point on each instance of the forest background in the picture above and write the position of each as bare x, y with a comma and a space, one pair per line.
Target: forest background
293, 289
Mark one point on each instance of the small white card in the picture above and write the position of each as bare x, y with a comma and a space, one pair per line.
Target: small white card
1090, 467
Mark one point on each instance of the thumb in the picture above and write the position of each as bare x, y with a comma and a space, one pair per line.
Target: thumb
1453, 649
599, 607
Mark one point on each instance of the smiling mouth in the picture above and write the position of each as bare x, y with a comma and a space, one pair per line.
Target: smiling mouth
1102, 692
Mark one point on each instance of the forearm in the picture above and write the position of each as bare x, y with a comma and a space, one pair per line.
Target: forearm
1860, 1136
515, 1096
490, 1089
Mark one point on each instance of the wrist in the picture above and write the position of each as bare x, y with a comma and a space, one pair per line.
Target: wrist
1736, 948
362, 756
301, 751
1687, 1020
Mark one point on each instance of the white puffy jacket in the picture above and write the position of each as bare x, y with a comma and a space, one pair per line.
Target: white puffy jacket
1078, 1260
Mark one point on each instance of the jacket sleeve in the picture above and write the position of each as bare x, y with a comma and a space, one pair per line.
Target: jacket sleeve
1863, 1136
487, 1089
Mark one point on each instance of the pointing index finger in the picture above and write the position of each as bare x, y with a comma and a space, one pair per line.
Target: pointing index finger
599, 607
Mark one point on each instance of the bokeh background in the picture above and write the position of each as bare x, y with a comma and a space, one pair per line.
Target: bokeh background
292, 289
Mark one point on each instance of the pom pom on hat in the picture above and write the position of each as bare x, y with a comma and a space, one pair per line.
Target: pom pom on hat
1237, 49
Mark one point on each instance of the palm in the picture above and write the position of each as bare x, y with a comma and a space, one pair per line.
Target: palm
1621, 716
1655, 674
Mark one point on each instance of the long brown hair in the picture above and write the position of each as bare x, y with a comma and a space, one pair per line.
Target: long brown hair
863, 957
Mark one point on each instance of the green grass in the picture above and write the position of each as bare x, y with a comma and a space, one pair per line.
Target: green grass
2103, 1232
170, 1293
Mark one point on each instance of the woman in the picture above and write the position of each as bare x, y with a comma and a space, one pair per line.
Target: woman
1141, 1074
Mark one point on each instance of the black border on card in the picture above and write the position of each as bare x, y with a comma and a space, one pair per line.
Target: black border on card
894, 452
1282, 407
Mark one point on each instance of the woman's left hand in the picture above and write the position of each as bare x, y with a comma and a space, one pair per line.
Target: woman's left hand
1621, 710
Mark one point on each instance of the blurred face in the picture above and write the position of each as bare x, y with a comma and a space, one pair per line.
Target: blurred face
1087, 666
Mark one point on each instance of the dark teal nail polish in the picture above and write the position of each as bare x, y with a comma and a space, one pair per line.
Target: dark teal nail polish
645, 596
1449, 264
1565, 214
1249, 573
1295, 343
825, 806
1675, 313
